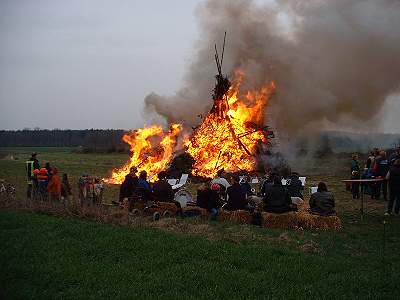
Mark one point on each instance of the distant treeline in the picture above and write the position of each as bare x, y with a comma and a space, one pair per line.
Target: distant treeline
109, 140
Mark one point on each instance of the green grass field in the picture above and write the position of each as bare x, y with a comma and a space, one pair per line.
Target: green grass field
43, 256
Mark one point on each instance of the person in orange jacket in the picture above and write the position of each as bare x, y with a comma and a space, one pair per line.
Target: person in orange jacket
54, 186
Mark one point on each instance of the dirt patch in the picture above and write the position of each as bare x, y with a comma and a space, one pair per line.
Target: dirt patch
310, 247
284, 237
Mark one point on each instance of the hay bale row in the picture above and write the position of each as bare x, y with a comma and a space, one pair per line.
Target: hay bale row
291, 220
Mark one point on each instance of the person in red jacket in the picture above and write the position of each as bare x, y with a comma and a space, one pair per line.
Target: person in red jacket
54, 186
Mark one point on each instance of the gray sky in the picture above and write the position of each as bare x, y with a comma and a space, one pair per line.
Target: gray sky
90, 63
83, 64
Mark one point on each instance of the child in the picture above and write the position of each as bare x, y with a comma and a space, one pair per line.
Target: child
66, 193
54, 186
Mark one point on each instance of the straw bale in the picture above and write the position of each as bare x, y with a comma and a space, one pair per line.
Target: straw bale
198, 211
167, 206
310, 221
239, 216
125, 204
161, 207
285, 220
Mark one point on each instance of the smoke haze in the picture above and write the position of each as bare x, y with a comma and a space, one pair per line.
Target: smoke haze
334, 62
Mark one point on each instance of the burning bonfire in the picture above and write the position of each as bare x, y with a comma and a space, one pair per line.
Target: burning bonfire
227, 137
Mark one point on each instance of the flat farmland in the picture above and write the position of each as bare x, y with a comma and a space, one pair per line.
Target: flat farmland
47, 256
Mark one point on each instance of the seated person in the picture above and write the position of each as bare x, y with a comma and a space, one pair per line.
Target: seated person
210, 199
322, 202
162, 191
203, 194
277, 198
269, 182
236, 198
246, 187
220, 179
129, 185
223, 183
295, 186
143, 188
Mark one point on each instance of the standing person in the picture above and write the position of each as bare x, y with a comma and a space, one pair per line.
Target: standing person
370, 160
82, 187
277, 198
43, 180
322, 202
354, 172
66, 193
129, 185
395, 156
236, 198
355, 186
49, 169
393, 178
381, 169
98, 188
30, 165
54, 186
355, 166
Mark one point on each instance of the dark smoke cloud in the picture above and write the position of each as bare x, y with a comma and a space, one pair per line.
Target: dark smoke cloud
331, 60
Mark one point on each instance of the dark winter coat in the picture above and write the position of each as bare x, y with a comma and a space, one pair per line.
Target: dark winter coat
322, 203
236, 198
163, 192
277, 199
208, 199
295, 187
128, 187
381, 167
394, 179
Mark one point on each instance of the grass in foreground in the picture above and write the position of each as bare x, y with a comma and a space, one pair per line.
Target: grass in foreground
47, 257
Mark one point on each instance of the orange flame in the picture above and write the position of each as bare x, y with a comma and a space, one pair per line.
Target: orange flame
151, 149
229, 139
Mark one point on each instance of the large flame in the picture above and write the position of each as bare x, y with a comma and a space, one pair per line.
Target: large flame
227, 137
151, 150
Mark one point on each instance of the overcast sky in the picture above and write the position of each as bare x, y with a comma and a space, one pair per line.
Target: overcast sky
90, 63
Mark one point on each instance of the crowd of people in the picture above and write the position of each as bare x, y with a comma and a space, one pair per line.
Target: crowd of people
44, 183
223, 192
235, 194
230, 193
139, 188
384, 168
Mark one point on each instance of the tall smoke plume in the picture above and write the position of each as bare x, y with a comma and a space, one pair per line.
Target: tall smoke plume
331, 60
